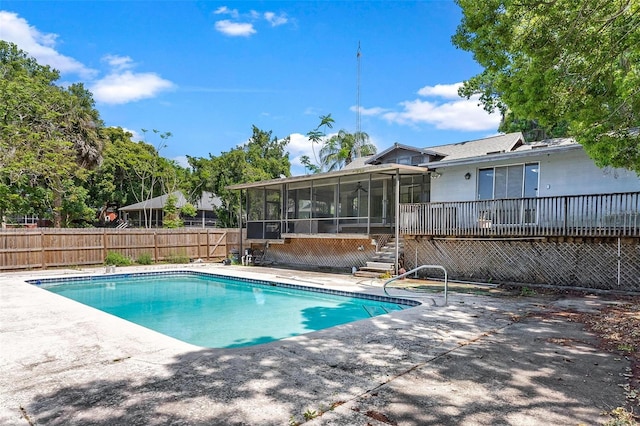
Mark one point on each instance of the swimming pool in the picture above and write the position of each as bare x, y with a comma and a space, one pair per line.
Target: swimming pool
218, 311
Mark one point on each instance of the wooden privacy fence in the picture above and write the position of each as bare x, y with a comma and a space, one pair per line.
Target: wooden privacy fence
49, 247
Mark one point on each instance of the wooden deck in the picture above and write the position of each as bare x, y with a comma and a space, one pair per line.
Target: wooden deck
603, 215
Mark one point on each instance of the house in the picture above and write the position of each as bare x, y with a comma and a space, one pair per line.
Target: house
522, 186
149, 213
498, 188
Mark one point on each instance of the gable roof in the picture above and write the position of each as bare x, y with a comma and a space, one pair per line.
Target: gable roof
480, 147
358, 162
522, 152
207, 202
374, 159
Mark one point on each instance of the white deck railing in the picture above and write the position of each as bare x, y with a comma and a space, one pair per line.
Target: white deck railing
580, 215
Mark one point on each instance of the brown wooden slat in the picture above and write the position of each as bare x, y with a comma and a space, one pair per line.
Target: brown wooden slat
49, 247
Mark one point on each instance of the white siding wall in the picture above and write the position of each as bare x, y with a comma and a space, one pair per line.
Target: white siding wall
574, 173
452, 186
561, 173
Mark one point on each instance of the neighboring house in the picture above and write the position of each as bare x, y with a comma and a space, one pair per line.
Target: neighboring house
494, 187
149, 213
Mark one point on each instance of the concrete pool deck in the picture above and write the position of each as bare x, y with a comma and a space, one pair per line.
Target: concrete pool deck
479, 360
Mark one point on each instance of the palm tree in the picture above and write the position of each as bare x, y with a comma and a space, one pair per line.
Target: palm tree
343, 147
82, 127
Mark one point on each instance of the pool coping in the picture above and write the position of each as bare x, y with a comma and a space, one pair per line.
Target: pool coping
271, 283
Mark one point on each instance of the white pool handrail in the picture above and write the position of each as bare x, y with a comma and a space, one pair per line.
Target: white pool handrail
384, 286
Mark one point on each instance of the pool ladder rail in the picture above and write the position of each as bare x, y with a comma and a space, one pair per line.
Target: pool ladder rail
446, 282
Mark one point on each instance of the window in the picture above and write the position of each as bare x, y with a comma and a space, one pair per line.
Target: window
516, 181
416, 160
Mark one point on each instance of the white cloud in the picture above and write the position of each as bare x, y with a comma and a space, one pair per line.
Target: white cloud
455, 113
447, 91
126, 86
224, 10
369, 111
235, 29
275, 20
120, 86
118, 62
464, 114
39, 45
298, 146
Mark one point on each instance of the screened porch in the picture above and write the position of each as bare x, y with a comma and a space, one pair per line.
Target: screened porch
333, 203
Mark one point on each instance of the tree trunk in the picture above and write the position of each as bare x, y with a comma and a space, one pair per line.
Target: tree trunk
57, 209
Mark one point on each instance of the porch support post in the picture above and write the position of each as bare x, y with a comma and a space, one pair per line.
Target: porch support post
397, 219
240, 221
369, 207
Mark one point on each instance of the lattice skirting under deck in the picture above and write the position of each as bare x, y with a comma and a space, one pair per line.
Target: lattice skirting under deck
606, 264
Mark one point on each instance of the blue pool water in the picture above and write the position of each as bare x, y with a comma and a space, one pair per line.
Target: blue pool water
216, 311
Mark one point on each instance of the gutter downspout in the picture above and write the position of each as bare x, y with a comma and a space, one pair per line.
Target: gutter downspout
397, 219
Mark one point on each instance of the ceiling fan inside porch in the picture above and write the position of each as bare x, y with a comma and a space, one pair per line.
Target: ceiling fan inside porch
359, 188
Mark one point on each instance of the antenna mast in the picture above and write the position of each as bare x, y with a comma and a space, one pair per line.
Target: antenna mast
358, 125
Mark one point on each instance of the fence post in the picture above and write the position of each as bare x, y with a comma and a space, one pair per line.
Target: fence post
105, 249
43, 253
208, 245
155, 247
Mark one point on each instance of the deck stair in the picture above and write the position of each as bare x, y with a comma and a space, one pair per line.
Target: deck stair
387, 253
383, 262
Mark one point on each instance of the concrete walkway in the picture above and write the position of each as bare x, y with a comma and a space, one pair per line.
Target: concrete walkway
478, 361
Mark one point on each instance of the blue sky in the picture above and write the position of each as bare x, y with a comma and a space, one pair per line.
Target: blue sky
206, 71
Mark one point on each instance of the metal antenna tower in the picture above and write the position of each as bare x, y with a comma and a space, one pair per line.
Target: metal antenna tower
358, 124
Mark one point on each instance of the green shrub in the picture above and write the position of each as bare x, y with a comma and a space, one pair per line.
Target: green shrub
145, 259
172, 213
117, 259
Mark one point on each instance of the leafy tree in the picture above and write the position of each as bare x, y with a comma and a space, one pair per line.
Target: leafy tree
342, 148
132, 172
559, 63
75, 210
315, 136
111, 182
189, 210
150, 172
531, 129
49, 139
261, 158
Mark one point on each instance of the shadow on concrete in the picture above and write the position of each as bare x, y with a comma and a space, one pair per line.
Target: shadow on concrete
478, 361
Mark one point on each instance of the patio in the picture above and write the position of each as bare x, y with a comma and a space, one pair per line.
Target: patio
479, 360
